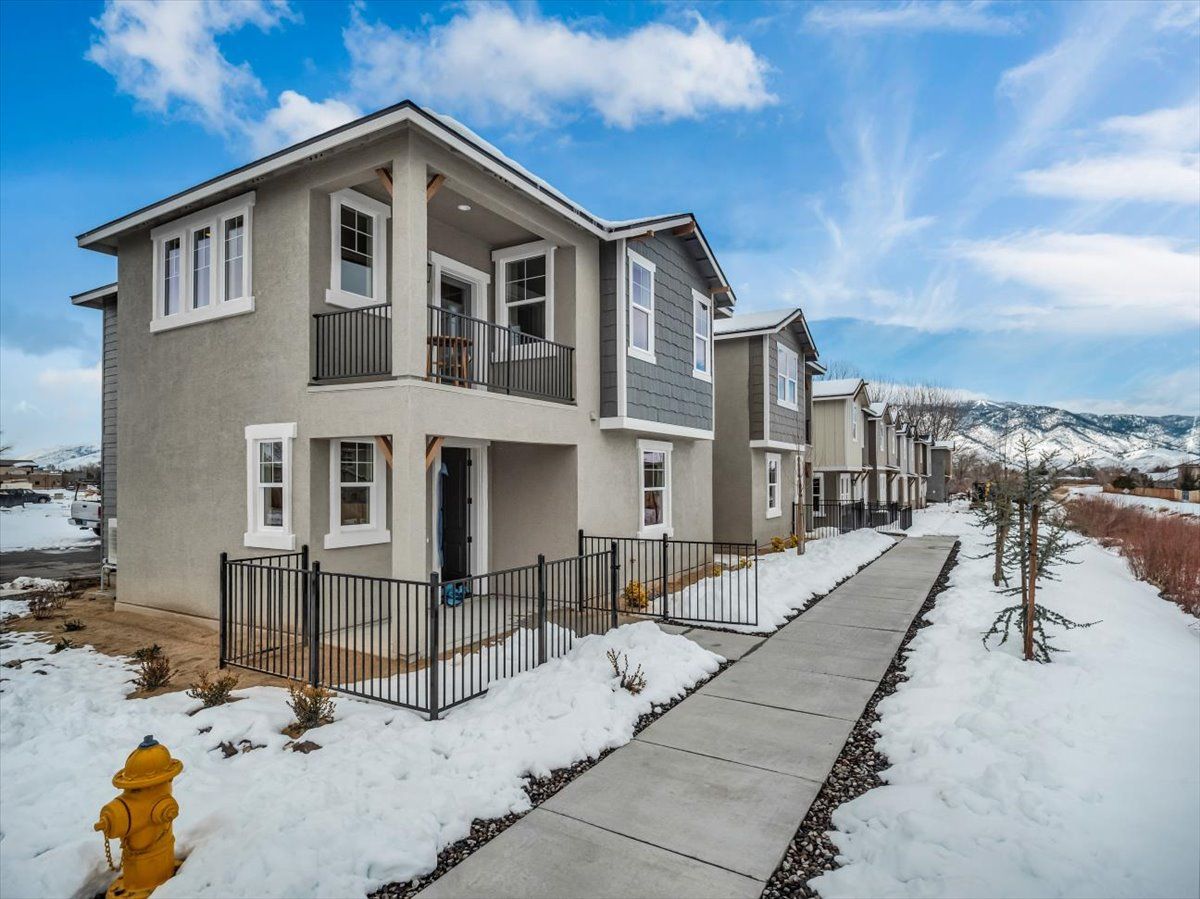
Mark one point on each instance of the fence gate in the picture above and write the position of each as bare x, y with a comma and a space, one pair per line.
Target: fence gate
691, 581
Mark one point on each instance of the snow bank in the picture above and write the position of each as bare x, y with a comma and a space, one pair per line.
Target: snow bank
34, 583
42, 526
376, 803
1008, 778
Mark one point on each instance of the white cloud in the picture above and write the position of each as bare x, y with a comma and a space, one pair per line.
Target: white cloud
1179, 15
975, 17
296, 118
493, 65
74, 376
1175, 393
165, 54
1094, 282
1175, 128
48, 399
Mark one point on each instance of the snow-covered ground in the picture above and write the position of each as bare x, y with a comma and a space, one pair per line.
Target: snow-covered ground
43, 526
786, 582
376, 803
1008, 778
1145, 502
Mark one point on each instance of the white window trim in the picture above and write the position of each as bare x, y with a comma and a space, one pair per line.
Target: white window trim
479, 280
845, 485
380, 213
817, 496
258, 535
637, 352
655, 530
500, 258
340, 535
854, 414
774, 511
783, 352
183, 229
702, 302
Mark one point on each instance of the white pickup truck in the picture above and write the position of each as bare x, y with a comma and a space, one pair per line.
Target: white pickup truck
86, 511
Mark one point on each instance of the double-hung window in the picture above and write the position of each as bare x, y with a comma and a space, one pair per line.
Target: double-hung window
843, 487
774, 500
202, 265
269, 486
358, 258
640, 339
525, 291
654, 460
852, 414
787, 377
701, 336
818, 511
357, 493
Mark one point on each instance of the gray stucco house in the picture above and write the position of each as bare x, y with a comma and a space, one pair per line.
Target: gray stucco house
393, 344
762, 455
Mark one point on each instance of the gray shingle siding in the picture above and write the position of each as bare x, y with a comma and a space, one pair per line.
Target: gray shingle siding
108, 416
754, 394
609, 343
667, 392
786, 424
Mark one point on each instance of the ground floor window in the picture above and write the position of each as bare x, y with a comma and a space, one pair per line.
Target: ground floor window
357, 493
843, 487
816, 496
655, 472
269, 486
774, 501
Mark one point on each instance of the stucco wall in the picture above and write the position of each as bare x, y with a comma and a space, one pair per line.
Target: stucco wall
731, 483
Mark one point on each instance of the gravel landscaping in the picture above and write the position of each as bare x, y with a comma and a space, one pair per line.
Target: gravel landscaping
855, 772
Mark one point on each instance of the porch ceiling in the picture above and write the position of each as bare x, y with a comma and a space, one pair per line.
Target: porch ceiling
479, 222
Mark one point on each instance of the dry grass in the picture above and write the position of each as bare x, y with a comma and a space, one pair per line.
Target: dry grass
1163, 550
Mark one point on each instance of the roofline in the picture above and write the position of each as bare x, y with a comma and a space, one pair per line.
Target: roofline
404, 112
862, 385
94, 298
815, 366
798, 312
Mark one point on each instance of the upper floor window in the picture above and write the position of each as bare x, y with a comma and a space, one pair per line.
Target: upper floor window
701, 336
641, 307
787, 384
852, 414
358, 261
525, 279
879, 435
202, 265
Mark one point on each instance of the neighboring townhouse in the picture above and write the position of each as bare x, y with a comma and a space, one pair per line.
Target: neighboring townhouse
921, 445
906, 480
940, 470
765, 362
395, 345
840, 453
882, 453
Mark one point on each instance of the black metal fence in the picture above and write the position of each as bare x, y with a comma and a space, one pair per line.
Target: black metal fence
684, 580
353, 343
422, 645
842, 516
471, 352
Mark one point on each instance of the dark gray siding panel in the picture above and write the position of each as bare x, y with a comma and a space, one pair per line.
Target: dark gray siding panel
666, 391
754, 395
108, 423
786, 424
609, 343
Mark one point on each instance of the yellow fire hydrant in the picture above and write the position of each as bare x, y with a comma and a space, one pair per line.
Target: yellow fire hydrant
141, 817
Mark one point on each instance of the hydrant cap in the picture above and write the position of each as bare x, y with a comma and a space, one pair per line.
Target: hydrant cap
148, 765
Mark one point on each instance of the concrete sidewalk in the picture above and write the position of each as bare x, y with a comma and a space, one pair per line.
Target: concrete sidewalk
704, 802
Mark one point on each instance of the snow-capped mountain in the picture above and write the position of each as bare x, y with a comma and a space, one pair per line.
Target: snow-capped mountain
1125, 441
67, 458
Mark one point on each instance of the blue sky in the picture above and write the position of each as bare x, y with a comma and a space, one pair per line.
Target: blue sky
1002, 198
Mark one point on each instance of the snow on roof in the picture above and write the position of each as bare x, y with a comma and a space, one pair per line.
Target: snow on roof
840, 387
755, 321
943, 445
877, 409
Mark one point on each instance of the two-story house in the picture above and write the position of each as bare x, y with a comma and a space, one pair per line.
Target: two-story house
840, 454
765, 365
940, 470
881, 452
921, 444
393, 344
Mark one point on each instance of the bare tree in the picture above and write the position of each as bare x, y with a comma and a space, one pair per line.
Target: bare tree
930, 409
840, 368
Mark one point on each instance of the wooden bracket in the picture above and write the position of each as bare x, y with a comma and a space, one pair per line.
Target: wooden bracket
386, 177
724, 288
434, 185
385, 447
431, 450
646, 236
684, 230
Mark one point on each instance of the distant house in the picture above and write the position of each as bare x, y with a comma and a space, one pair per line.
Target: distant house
840, 454
940, 470
16, 469
43, 479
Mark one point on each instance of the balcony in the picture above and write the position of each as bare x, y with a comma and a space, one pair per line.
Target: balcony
353, 344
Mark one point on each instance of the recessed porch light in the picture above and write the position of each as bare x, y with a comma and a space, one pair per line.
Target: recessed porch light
464, 207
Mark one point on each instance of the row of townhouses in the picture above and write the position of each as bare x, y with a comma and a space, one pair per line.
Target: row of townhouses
396, 346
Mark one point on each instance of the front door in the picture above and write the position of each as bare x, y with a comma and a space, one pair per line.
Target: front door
456, 513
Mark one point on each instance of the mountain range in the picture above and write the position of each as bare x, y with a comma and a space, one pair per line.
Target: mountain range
1124, 441
70, 457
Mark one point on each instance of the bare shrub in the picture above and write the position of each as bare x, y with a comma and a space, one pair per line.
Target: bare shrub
154, 672
1160, 549
147, 652
73, 624
64, 643
635, 683
41, 607
213, 692
634, 595
312, 706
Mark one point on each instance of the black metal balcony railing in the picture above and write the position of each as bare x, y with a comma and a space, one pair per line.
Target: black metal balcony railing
353, 343
471, 352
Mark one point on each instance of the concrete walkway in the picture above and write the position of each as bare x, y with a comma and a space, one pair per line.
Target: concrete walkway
704, 802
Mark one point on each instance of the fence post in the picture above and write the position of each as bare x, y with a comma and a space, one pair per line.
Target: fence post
579, 579
666, 552
614, 574
432, 634
541, 609
314, 624
223, 653
305, 612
